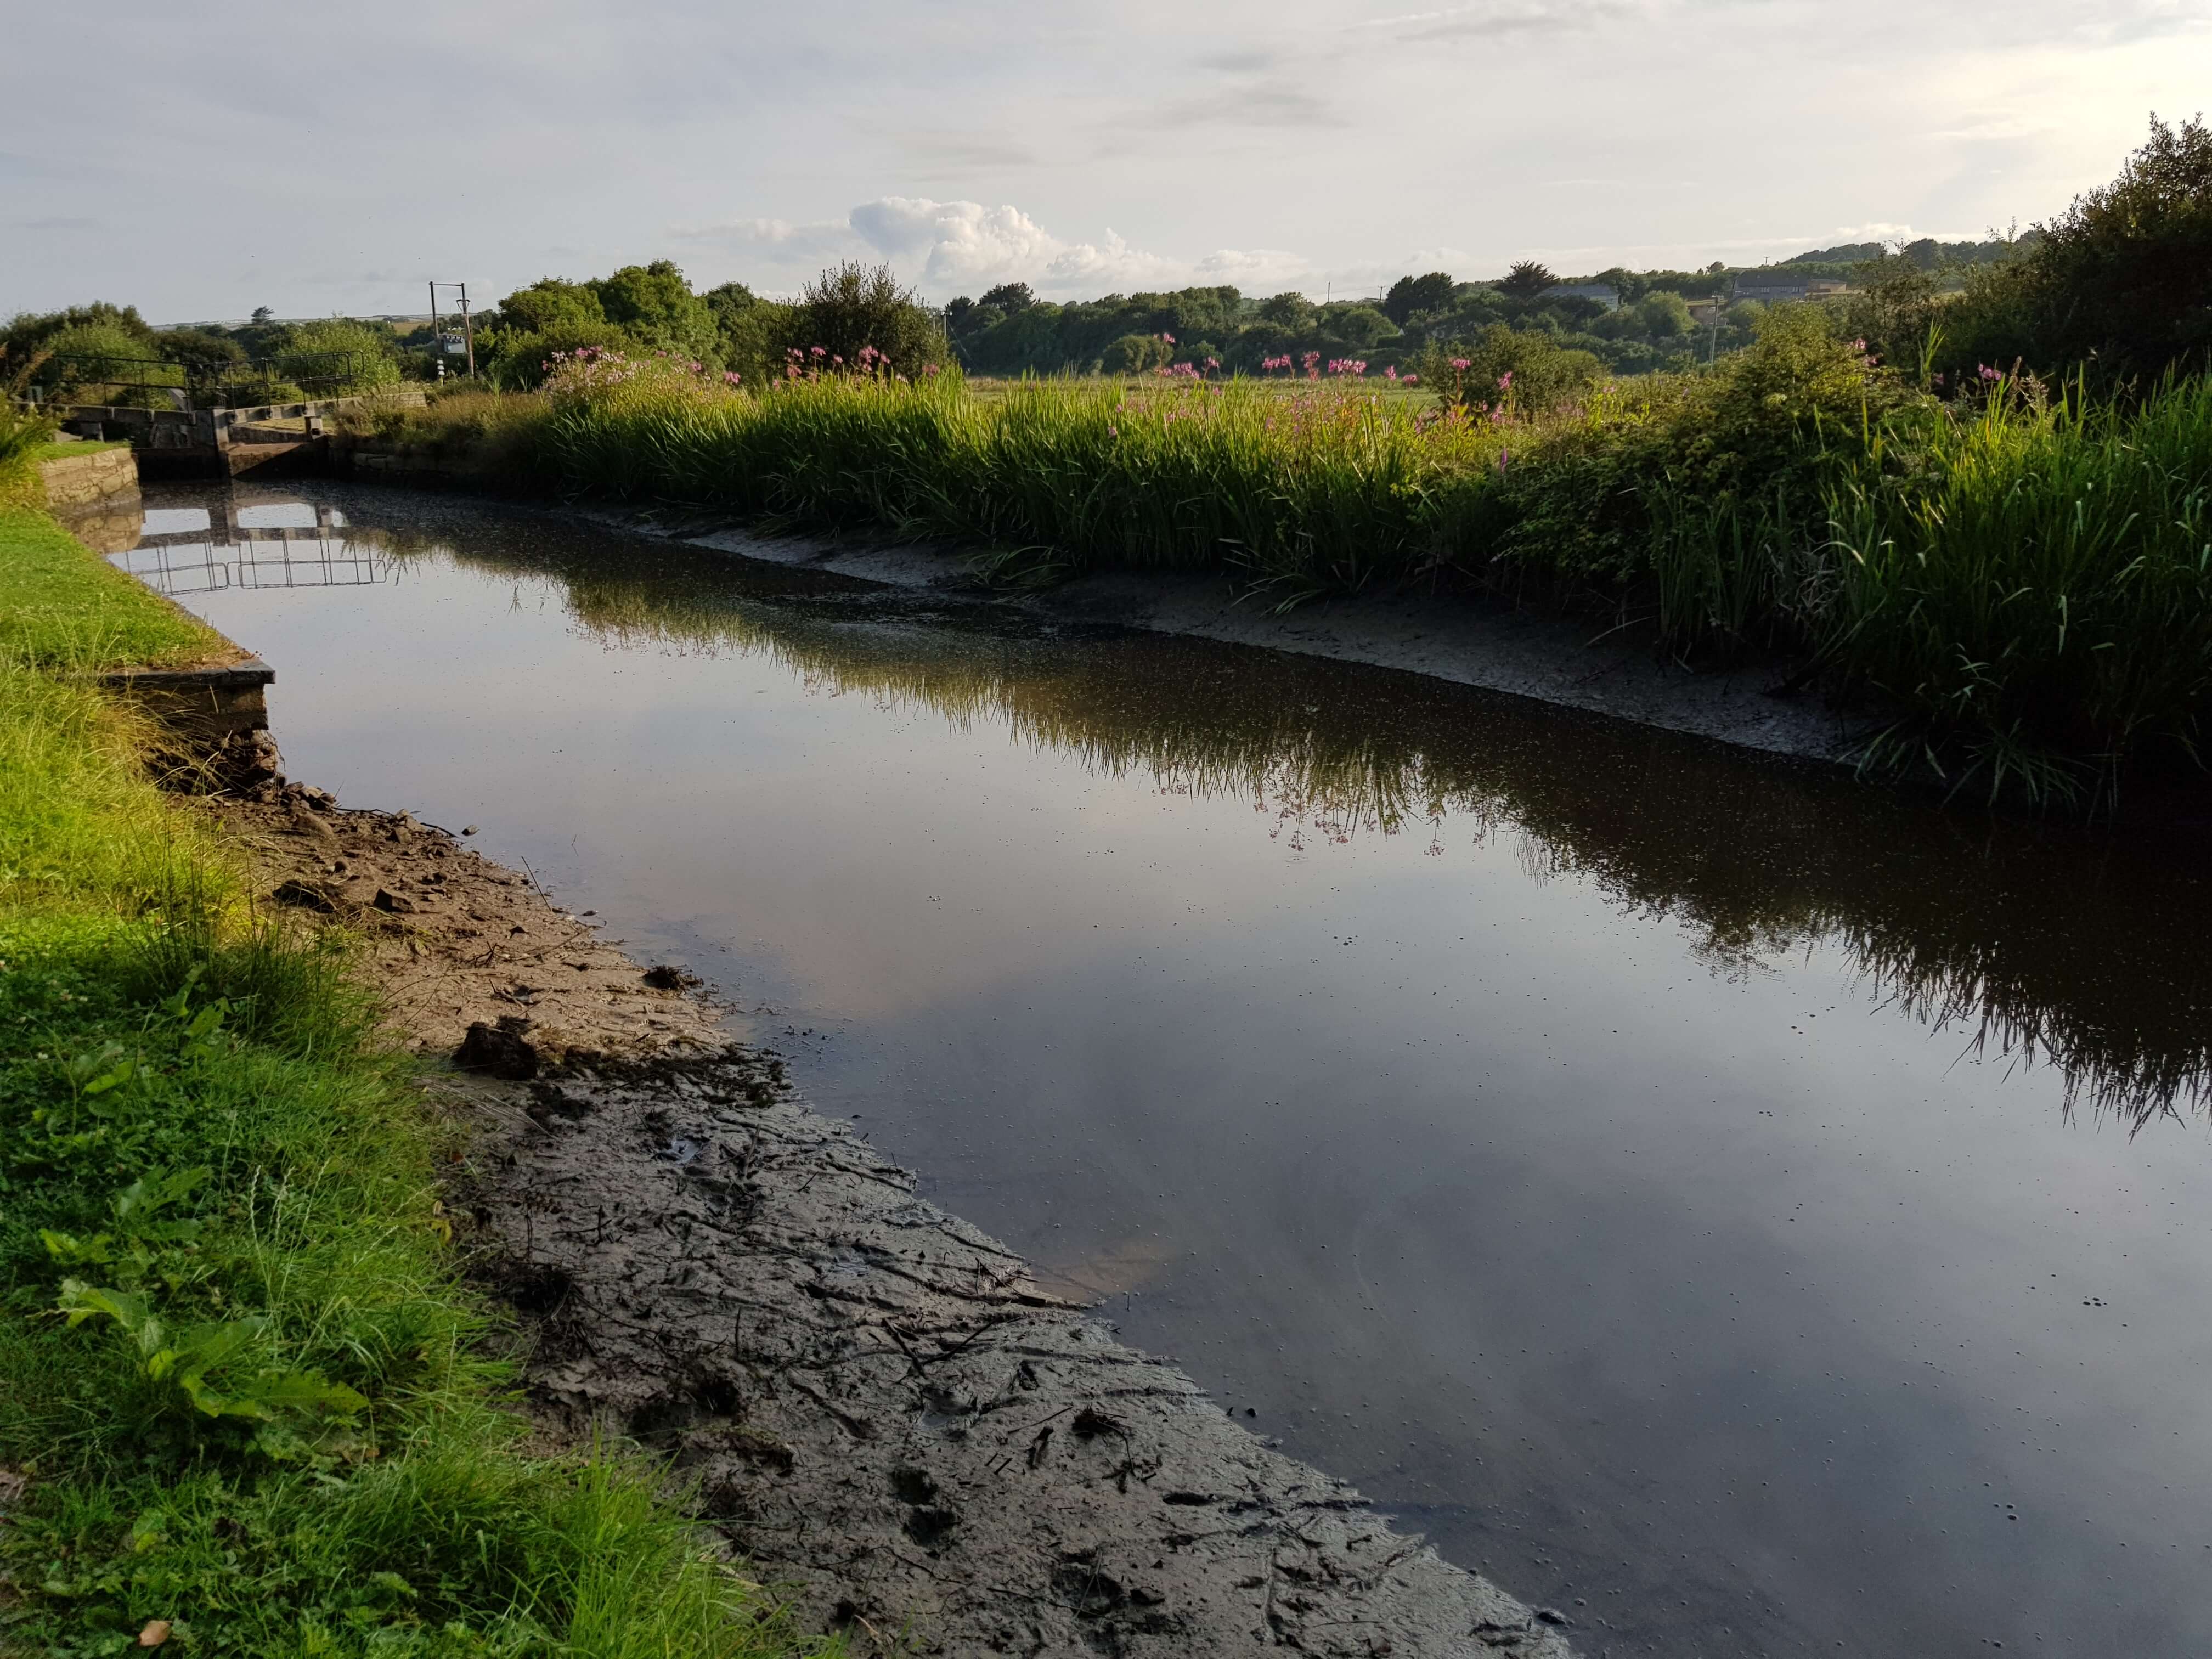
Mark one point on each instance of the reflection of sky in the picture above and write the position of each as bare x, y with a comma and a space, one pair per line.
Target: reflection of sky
281, 515
1485, 1193
175, 521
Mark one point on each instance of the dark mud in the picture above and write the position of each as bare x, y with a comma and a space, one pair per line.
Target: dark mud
881, 1405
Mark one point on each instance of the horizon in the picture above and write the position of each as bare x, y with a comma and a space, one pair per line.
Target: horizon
317, 166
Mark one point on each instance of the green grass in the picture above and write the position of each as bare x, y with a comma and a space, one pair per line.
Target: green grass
250, 1395
60, 606
62, 450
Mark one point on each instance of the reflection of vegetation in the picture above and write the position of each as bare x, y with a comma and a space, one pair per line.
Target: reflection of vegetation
2043, 946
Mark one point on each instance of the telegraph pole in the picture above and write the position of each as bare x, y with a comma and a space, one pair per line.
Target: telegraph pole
468, 326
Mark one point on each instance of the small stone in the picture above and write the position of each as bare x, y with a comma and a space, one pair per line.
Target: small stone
155, 1633
501, 1050
468, 829
304, 894
398, 904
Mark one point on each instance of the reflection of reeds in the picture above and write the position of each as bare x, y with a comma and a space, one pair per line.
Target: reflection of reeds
2041, 945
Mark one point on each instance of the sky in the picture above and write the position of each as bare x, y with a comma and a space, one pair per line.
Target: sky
200, 159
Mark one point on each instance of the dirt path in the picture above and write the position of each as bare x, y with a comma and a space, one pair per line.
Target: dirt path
880, 1405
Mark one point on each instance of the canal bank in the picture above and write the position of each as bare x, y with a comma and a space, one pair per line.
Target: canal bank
630, 1182
1615, 1156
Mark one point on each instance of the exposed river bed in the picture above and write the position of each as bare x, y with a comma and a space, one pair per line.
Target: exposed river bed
1753, 1212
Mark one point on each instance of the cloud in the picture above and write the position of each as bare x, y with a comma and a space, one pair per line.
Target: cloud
1498, 18
1264, 104
951, 247
64, 223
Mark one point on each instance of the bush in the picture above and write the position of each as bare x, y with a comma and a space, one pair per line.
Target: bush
338, 356
103, 363
851, 306
1133, 354
517, 362
1509, 372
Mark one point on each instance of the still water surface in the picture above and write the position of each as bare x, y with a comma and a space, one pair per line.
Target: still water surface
1750, 1213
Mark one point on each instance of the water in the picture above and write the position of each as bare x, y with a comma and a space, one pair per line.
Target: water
1751, 1213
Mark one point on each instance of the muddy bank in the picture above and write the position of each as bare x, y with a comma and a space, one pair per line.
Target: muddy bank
879, 1405
1571, 662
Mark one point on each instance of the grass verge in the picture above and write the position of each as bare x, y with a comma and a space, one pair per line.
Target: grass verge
244, 1404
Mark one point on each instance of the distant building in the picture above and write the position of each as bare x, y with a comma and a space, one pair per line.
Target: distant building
1771, 286
1600, 292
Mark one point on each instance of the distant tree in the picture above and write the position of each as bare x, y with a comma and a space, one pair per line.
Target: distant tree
337, 355
654, 303
1664, 316
204, 352
1009, 297
1358, 325
552, 302
1409, 295
1134, 352
957, 311
1292, 311
263, 316
1527, 278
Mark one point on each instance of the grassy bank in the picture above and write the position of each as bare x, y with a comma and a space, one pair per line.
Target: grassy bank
246, 1406
2020, 575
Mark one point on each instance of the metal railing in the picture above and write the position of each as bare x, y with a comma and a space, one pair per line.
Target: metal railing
158, 383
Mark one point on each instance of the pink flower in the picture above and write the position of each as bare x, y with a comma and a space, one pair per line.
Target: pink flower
1169, 338
1462, 363
730, 377
931, 370
822, 352
1409, 379
1213, 362
1505, 381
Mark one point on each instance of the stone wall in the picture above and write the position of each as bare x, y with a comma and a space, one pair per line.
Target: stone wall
75, 480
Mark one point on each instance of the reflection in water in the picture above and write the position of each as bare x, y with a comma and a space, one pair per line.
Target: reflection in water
2024, 941
244, 543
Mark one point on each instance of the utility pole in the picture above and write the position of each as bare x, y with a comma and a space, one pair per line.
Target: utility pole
468, 326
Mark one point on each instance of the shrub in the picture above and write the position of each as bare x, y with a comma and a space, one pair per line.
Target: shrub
851, 306
1508, 370
338, 356
1133, 354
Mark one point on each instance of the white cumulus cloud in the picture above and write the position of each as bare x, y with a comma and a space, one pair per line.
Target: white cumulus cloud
955, 248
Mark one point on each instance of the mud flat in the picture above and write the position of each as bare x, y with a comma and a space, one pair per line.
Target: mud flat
880, 1405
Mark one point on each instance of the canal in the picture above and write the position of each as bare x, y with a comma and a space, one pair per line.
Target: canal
1752, 1213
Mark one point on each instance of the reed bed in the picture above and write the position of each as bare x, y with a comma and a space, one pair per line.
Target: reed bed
2024, 581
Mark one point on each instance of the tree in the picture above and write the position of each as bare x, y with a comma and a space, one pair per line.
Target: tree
1409, 295
1527, 278
654, 303
1292, 311
1664, 316
2123, 277
263, 316
1134, 352
1009, 297
552, 302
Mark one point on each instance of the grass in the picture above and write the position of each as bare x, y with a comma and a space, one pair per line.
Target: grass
59, 607
252, 1400
2022, 581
